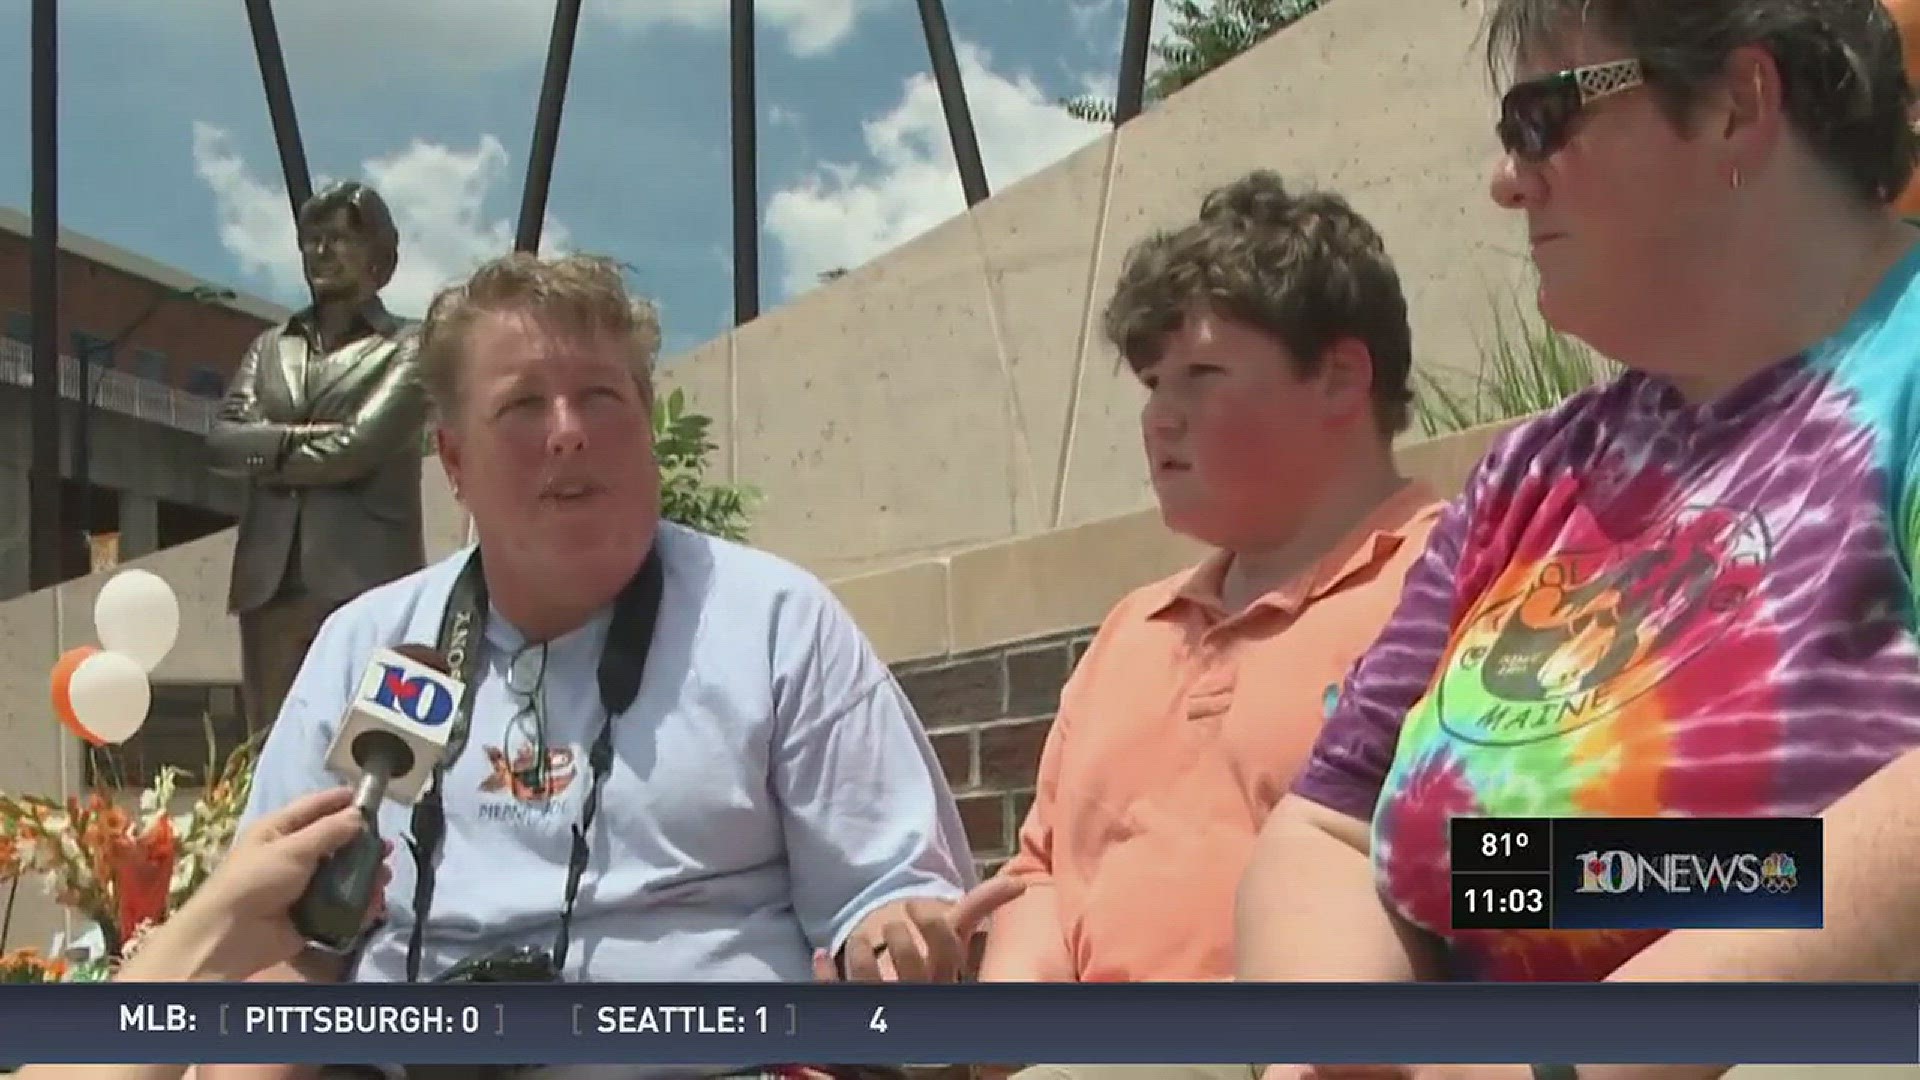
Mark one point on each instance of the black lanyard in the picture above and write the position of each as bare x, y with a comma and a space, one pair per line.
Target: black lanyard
623, 659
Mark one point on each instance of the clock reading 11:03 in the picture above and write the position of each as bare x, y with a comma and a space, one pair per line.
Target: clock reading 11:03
1501, 902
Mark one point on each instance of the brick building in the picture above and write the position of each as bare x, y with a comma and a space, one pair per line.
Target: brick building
107, 294
146, 352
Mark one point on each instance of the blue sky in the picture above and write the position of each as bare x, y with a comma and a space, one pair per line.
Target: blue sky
167, 150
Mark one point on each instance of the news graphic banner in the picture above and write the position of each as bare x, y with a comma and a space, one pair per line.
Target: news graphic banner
1637, 873
726, 1025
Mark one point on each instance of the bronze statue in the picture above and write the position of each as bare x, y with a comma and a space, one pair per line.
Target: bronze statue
323, 419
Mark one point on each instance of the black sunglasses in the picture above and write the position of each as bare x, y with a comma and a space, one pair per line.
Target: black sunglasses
1536, 116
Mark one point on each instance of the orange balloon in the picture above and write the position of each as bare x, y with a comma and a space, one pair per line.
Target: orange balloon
63, 669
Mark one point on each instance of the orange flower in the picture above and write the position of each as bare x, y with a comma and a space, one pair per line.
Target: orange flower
28, 966
142, 876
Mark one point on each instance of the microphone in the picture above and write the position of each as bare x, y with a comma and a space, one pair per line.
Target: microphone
394, 733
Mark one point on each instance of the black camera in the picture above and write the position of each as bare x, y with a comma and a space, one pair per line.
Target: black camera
517, 964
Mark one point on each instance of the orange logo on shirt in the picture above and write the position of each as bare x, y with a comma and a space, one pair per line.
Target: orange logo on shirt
525, 777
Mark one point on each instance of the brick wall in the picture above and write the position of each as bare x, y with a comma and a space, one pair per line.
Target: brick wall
988, 713
104, 301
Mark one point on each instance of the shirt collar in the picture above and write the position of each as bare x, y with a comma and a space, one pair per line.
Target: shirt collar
1371, 543
373, 314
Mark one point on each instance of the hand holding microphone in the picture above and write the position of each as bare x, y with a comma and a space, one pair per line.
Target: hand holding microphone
394, 733
237, 923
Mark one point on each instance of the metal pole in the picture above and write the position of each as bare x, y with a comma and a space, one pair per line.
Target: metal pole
546, 125
45, 538
953, 101
746, 155
1131, 95
82, 439
273, 78
6, 919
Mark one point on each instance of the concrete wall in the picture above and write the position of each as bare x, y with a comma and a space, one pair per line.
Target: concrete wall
144, 460
955, 391
126, 454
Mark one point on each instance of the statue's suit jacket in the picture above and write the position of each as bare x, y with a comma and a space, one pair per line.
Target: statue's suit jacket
331, 451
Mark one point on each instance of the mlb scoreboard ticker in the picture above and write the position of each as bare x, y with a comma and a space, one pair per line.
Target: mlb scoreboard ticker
731, 1026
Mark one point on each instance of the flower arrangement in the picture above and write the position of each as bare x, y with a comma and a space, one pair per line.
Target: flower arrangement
28, 966
122, 869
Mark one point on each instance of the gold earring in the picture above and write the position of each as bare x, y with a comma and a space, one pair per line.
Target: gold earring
1734, 180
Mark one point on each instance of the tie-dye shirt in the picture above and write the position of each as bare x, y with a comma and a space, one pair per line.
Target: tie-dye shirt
1644, 607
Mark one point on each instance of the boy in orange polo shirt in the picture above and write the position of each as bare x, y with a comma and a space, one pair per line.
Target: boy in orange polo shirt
1271, 336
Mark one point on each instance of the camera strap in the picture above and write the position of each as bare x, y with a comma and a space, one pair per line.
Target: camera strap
623, 660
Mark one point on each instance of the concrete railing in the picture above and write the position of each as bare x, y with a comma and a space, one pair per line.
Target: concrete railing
130, 395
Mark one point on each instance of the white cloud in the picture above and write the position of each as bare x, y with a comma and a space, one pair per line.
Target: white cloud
438, 195
352, 36
1110, 16
810, 27
1091, 15
844, 214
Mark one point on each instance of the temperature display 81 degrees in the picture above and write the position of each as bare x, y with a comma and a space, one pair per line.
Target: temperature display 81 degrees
1510, 844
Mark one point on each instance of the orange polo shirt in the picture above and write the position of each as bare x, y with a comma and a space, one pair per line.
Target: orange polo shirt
1179, 730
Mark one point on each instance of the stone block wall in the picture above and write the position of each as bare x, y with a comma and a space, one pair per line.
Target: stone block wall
988, 713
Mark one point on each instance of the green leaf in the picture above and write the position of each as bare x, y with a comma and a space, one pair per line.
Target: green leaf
681, 445
1201, 37
1526, 368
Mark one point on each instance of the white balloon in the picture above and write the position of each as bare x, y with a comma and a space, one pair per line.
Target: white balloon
110, 695
137, 615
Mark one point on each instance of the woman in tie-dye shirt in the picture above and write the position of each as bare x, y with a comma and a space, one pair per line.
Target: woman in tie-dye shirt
1690, 591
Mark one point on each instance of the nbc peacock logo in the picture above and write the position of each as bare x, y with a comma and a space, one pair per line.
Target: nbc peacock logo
1778, 874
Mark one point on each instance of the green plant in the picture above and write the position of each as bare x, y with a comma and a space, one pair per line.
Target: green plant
681, 444
1528, 368
1202, 37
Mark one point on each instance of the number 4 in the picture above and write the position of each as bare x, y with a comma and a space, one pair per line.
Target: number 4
879, 1021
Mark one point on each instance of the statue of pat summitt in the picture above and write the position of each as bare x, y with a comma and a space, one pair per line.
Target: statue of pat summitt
323, 420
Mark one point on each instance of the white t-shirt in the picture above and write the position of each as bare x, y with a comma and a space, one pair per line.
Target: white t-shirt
771, 785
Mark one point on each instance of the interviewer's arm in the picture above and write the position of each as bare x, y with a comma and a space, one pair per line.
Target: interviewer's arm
180, 961
236, 924
184, 949
293, 763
